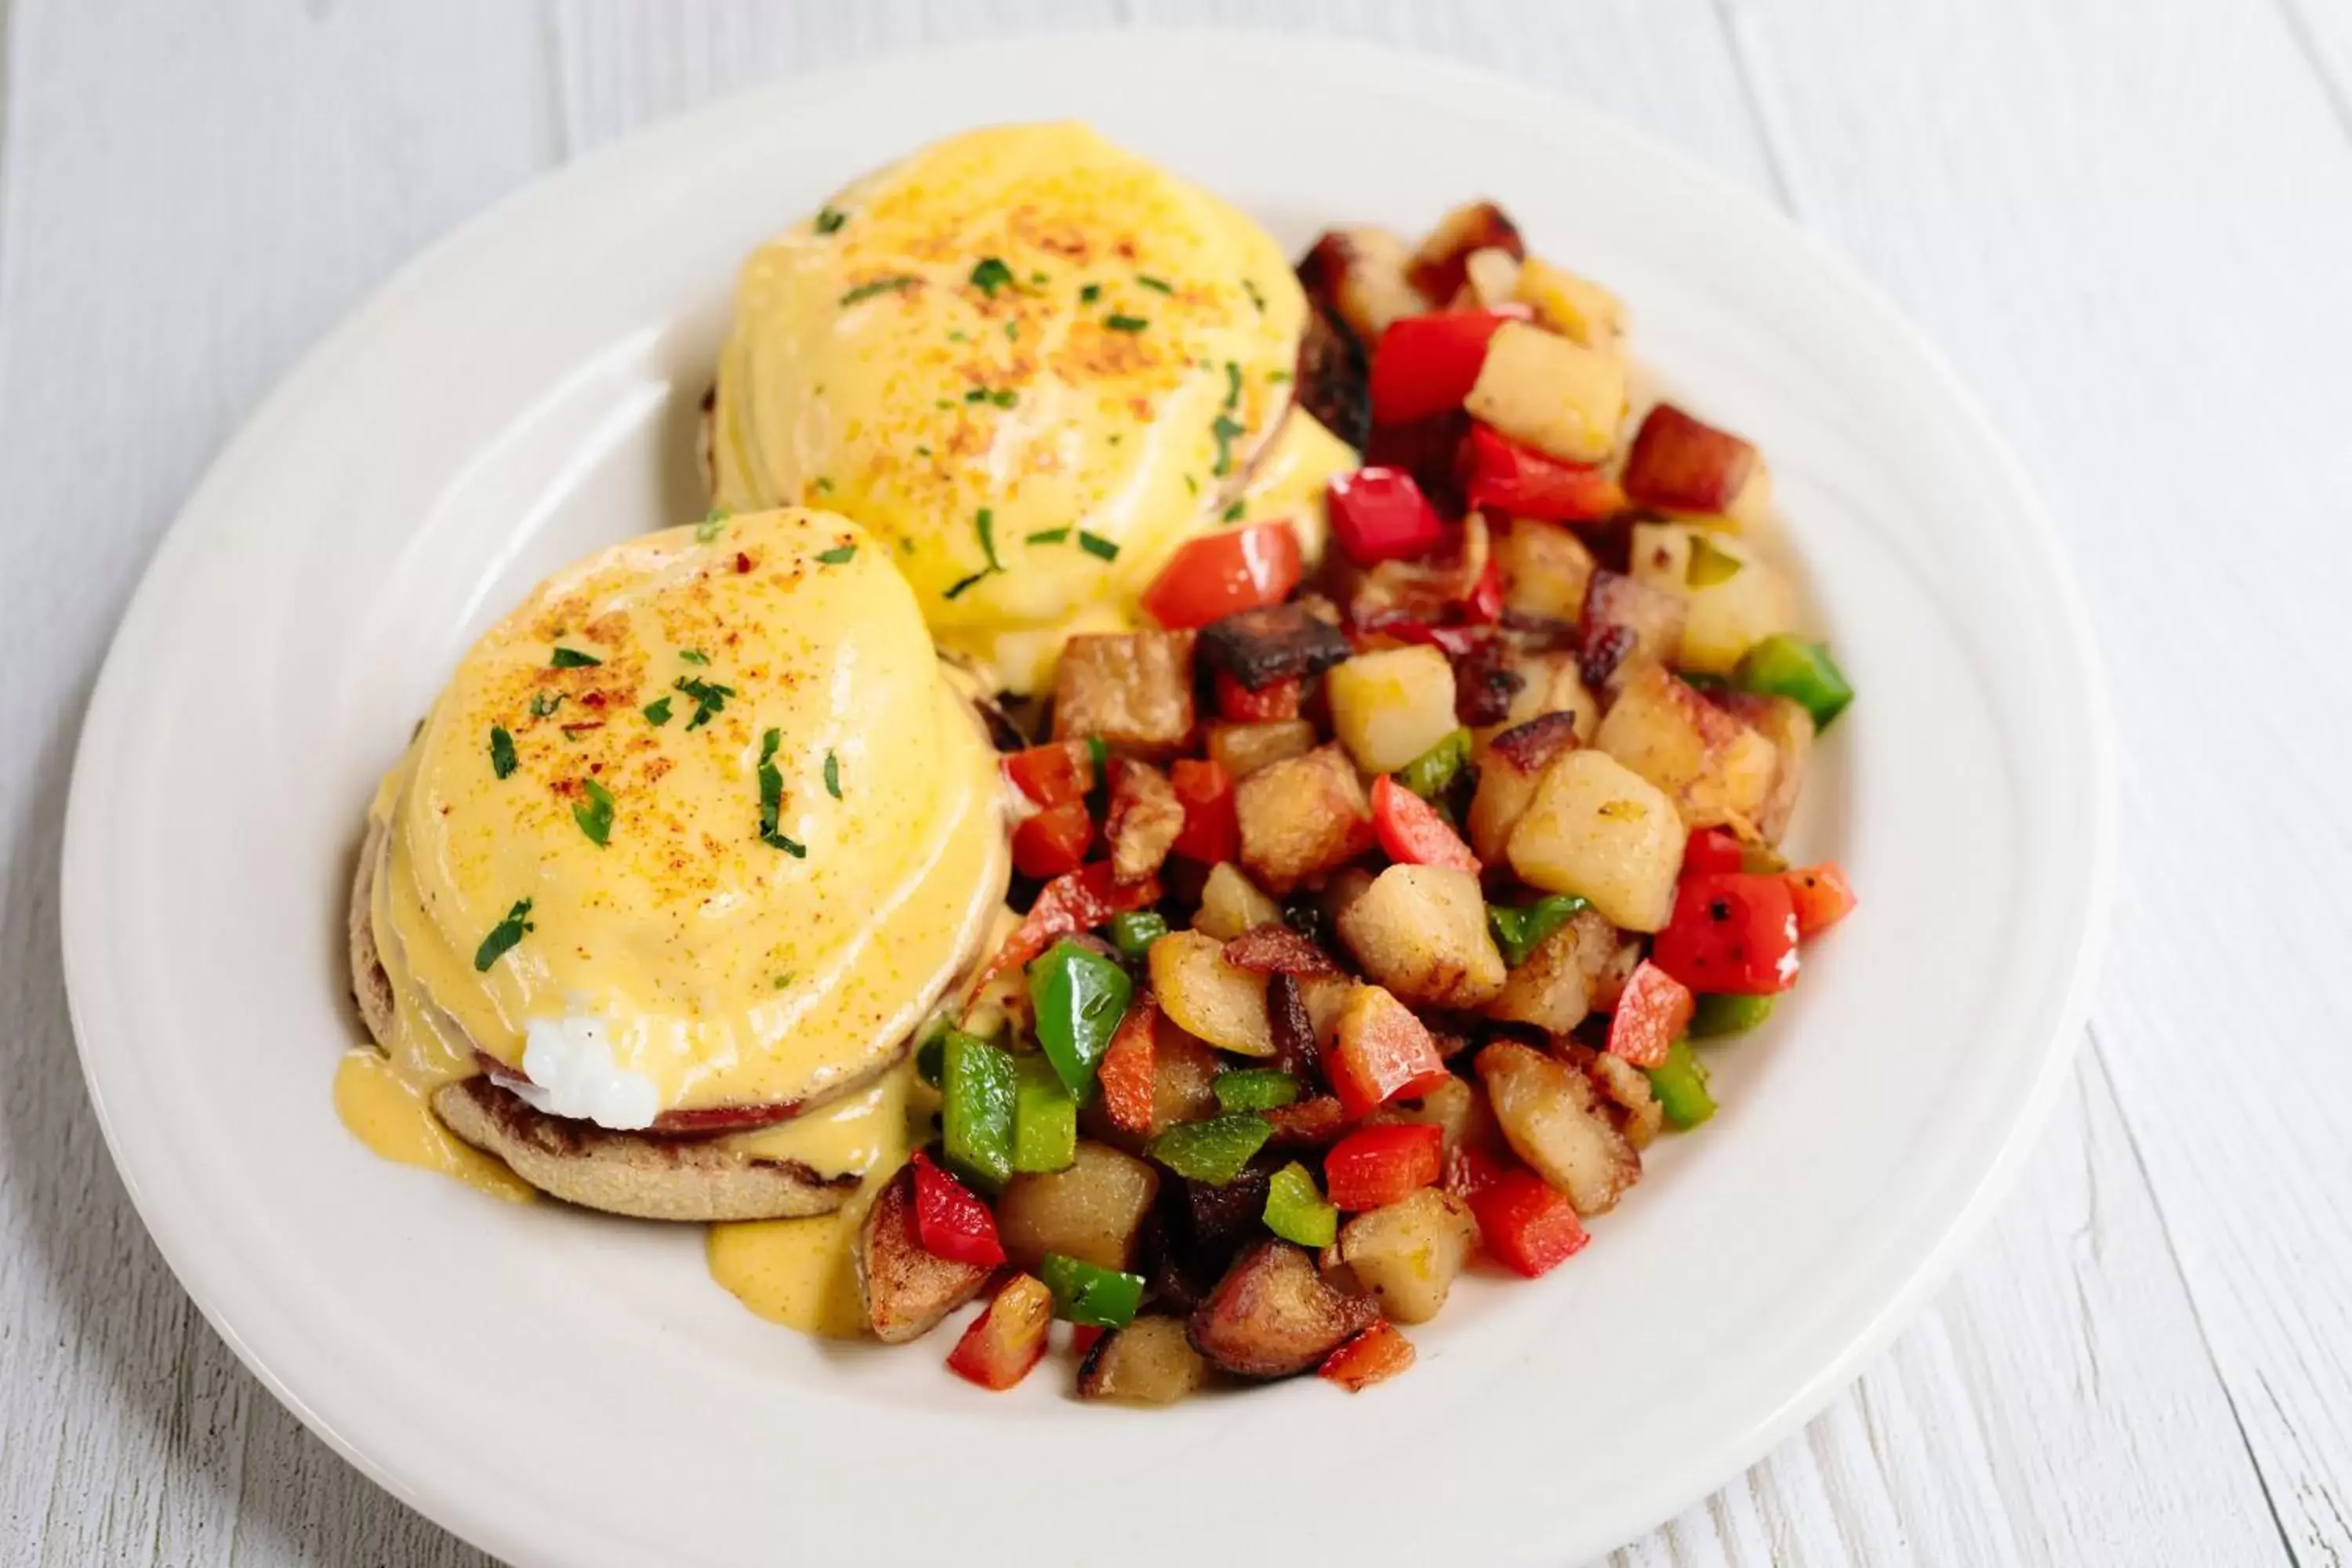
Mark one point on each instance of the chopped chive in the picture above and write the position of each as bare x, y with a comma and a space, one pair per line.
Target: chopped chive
502, 755
1118, 323
1233, 513
1278, 377
771, 799
1049, 536
828, 220
545, 702
709, 698
1095, 545
833, 775
1249, 287
959, 336
1158, 285
571, 658
1233, 385
596, 818
1192, 484
838, 555
503, 935
692, 656
984, 523
991, 274
1013, 331
712, 521
956, 592
879, 286
657, 712
1090, 293
1225, 428
1039, 279
785, 978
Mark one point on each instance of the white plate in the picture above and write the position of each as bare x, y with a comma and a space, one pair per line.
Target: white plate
562, 1388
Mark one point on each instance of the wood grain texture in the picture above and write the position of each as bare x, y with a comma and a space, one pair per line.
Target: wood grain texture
2134, 1366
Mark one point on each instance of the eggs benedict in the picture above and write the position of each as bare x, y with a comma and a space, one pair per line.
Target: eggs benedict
689, 846
1033, 365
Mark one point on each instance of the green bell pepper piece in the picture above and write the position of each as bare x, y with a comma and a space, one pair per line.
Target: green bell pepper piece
930, 1055
1089, 1296
1295, 1209
1520, 929
1718, 1013
1045, 1118
1783, 666
1680, 1084
1213, 1150
1428, 775
1709, 563
1134, 932
1078, 998
977, 1092
1254, 1088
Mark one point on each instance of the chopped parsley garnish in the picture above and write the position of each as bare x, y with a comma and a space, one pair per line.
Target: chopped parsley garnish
596, 818
1192, 484
922, 451
956, 592
1039, 279
984, 523
771, 798
1013, 331
785, 978
657, 712
571, 658
1233, 513
959, 336
828, 219
709, 698
1233, 385
503, 935
1158, 285
838, 555
712, 521
991, 274
823, 485
1049, 536
1118, 323
1090, 293
1095, 545
692, 656
879, 286
943, 405
545, 702
1249, 287
502, 757
1003, 396
833, 775
1224, 429
1276, 377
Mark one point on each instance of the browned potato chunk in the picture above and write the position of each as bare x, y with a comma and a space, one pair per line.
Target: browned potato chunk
1515, 763
1144, 819
1360, 274
1150, 1362
1457, 1110
1626, 625
1204, 995
1406, 1256
905, 1289
1600, 830
1420, 931
1553, 989
1440, 266
1242, 749
1273, 1315
1132, 689
1553, 683
1546, 570
1629, 1087
1790, 728
1094, 1210
1550, 392
1738, 602
1302, 818
1553, 1120
1715, 768
1388, 706
1569, 303
1231, 904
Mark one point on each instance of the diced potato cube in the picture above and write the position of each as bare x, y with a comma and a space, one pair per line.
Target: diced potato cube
1144, 820
1457, 1110
1568, 303
1206, 997
1132, 689
1715, 768
1728, 613
1628, 624
1302, 818
1440, 267
1360, 274
1406, 1256
1545, 569
1598, 829
1629, 1087
1788, 725
1231, 904
1420, 931
1093, 1210
1550, 392
1489, 275
1554, 683
1513, 764
1553, 989
1242, 749
1388, 706
1553, 1120
1150, 1362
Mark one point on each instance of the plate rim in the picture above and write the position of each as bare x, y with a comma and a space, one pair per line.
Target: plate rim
1440, 78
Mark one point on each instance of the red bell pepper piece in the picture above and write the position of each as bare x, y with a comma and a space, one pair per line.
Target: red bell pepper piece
1528, 1225
1075, 901
1054, 840
1213, 830
1130, 1067
1498, 473
1389, 1053
1412, 833
1008, 1338
1822, 896
949, 1219
1374, 1355
1373, 1167
1712, 850
1276, 700
1732, 932
1221, 573
1427, 364
1054, 773
1652, 1013
1379, 514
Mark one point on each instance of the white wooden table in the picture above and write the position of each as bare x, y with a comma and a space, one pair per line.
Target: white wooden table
2127, 222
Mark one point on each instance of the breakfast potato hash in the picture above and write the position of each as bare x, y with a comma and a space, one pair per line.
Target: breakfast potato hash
1371, 920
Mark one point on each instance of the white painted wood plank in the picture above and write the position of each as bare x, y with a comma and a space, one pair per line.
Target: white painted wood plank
2132, 238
